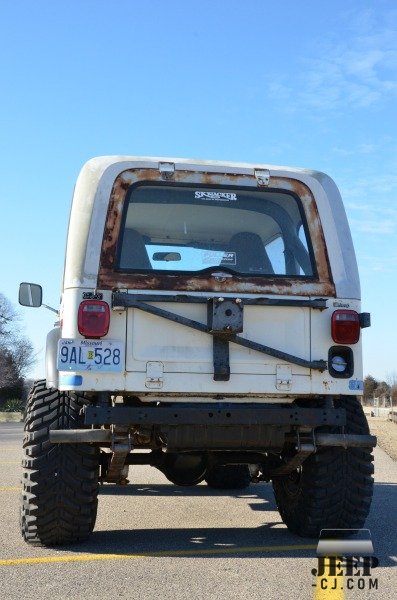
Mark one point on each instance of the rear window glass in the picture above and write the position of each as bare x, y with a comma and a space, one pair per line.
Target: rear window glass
248, 232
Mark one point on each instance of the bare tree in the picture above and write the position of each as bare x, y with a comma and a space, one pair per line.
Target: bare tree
382, 392
391, 379
370, 385
8, 316
16, 352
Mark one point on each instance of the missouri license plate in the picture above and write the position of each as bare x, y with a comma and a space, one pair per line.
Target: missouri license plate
90, 355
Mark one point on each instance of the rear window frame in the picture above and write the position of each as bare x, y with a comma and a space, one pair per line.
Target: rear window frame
109, 279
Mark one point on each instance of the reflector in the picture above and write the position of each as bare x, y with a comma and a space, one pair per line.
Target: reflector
339, 364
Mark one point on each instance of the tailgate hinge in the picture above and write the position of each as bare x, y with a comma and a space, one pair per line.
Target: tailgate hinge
167, 170
154, 375
283, 377
262, 176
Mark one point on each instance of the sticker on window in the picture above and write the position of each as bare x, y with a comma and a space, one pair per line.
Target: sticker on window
217, 196
211, 257
229, 258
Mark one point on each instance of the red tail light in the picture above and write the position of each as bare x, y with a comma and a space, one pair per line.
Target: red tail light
93, 318
345, 327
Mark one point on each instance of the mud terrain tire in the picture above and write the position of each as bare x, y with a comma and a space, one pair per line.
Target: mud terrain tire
333, 488
228, 477
59, 481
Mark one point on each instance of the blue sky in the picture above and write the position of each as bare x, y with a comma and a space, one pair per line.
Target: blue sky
308, 83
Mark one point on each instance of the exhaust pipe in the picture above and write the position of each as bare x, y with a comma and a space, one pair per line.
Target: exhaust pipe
79, 436
346, 440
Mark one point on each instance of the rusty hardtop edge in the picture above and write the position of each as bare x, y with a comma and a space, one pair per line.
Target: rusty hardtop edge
122, 163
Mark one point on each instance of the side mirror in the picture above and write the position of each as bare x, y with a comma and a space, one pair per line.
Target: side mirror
30, 294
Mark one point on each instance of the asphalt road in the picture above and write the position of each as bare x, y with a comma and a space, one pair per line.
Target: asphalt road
156, 540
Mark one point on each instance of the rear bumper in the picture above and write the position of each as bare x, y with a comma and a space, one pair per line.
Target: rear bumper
208, 428
210, 416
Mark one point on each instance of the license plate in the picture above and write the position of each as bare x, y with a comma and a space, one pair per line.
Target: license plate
90, 355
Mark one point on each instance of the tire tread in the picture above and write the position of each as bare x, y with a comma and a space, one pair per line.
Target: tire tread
59, 482
336, 484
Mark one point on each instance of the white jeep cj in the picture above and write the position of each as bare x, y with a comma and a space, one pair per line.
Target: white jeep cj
210, 326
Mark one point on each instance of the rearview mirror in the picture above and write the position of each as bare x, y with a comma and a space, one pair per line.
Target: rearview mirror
167, 256
30, 294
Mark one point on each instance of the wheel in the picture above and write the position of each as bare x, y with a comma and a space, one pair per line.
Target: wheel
228, 477
333, 488
59, 481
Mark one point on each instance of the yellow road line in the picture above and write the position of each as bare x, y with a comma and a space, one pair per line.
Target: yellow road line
10, 462
10, 489
34, 560
329, 587
334, 591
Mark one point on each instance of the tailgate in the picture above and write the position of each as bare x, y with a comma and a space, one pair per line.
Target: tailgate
182, 349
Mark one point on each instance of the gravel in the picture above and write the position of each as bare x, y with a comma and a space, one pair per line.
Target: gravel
386, 432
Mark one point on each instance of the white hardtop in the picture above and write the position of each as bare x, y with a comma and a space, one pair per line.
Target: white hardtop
96, 179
